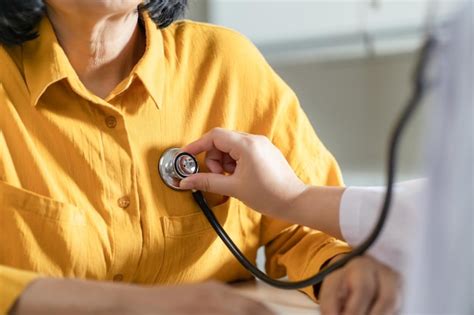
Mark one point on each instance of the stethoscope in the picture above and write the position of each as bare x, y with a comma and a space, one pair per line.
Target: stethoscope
175, 165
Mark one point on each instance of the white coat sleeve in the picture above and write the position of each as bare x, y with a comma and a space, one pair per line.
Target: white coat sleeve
360, 208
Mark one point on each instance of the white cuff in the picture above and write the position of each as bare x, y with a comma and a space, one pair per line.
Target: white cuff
360, 209
358, 212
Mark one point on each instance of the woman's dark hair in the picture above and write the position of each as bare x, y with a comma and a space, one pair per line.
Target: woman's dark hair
19, 18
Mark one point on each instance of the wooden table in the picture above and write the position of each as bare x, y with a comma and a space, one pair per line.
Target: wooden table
282, 302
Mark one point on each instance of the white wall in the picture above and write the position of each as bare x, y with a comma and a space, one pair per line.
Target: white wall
198, 10
352, 105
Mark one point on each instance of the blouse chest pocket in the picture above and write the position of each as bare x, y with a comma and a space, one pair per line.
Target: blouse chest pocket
30, 204
193, 251
44, 235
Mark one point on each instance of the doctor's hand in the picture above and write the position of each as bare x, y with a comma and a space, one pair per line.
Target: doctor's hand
247, 167
363, 287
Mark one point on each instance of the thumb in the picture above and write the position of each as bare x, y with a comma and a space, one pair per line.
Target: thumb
209, 182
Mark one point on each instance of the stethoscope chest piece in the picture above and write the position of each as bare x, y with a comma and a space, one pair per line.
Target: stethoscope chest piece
176, 165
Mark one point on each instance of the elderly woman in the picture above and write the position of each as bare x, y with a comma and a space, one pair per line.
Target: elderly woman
91, 93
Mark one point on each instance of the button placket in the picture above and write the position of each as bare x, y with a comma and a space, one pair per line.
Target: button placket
117, 148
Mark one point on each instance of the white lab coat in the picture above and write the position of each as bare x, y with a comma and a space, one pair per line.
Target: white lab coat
428, 237
440, 277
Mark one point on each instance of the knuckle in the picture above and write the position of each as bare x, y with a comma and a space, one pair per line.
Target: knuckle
361, 283
202, 184
262, 138
250, 141
206, 184
216, 131
254, 138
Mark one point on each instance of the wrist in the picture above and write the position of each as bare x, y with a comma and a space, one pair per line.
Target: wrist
291, 200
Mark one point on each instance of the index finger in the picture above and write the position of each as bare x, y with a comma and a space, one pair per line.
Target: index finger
218, 138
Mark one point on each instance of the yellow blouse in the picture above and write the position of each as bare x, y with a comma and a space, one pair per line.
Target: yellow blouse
80, 194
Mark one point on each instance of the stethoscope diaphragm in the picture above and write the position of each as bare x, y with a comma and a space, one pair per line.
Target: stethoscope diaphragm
175, 165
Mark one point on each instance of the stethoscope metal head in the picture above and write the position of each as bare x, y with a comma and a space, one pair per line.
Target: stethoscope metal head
175, 165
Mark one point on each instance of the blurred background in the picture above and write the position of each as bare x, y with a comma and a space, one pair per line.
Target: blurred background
350, 62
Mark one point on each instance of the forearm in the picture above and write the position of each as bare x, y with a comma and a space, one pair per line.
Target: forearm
317, 208
56, 296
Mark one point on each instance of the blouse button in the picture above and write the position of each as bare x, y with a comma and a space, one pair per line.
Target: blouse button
124, 202
111, 121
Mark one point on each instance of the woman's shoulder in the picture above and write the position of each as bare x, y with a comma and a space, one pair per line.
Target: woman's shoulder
219, 41
206, 29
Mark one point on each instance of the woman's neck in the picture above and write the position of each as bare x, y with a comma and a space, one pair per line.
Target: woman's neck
102, 49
